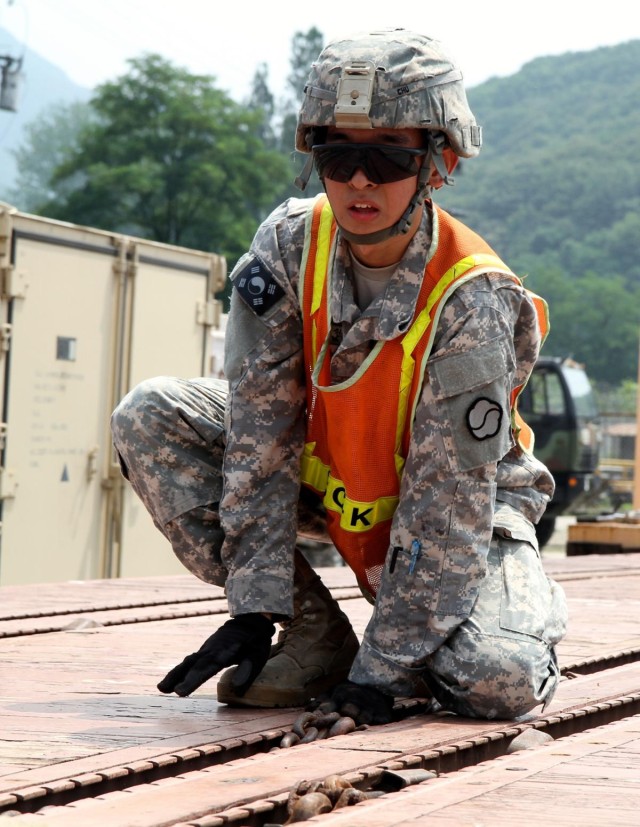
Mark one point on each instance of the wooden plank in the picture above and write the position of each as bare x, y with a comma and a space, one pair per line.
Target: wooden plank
36, 599
563, 568
43, 599
619, 534
80, 705
68, 601
591, 779
197, 794
108, 673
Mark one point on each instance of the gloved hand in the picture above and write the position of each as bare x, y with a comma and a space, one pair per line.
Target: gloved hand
245, 640
365, 704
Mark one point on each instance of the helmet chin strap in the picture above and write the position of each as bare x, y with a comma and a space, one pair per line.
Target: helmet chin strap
403, 224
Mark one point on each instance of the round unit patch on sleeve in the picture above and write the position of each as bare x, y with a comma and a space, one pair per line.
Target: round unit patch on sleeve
484, 418
257, 287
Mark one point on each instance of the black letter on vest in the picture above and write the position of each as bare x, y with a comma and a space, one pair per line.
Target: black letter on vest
358, 515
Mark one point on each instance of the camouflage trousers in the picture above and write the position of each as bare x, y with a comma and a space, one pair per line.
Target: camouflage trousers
499, 663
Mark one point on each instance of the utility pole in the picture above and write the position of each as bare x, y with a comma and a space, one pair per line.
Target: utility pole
11, 77
636, 470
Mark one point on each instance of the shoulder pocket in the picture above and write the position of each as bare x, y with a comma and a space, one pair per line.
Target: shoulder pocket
473, 389
460, 372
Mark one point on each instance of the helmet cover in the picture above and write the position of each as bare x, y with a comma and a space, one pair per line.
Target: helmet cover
392, 78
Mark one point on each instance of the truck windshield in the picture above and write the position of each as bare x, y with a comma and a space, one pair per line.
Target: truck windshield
580, 391
549, 389
543, 395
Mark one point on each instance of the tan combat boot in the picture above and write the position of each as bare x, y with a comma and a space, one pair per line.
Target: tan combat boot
314, 651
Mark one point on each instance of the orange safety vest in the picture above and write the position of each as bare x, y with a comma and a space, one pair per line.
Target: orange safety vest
358, 431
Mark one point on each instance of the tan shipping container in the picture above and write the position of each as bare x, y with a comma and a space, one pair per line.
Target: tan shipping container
85, 315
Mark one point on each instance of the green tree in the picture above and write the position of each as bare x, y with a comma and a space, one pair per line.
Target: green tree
305, 48
172, 158
594, 319
48, 142
262, 101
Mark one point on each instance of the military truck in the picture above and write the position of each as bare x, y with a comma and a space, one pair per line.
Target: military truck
559, 404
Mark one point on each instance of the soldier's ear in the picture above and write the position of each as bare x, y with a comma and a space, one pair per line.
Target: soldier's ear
451, 161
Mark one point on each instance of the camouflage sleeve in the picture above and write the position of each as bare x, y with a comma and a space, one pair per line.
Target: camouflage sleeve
486, 344
264, 421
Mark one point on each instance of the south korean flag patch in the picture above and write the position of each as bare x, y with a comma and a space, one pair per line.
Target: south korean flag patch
257, 287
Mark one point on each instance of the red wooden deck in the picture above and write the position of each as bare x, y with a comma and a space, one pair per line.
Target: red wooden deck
86, 739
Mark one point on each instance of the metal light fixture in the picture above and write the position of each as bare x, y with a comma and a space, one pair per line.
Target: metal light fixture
11, 79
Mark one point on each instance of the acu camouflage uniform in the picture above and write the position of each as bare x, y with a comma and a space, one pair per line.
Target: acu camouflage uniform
474, 616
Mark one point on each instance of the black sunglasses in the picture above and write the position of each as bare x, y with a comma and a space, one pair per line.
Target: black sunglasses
381, 164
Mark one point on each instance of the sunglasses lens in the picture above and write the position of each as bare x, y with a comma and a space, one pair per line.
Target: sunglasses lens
393, 164
381, 164
336, 163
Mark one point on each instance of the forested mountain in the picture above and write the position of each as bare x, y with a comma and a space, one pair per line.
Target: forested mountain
556, 191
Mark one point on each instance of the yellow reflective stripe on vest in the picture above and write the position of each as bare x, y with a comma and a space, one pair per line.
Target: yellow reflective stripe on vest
355, 515
321, 264
417, 331
313, 471
322, 256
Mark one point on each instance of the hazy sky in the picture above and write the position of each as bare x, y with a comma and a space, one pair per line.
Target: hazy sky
92, 39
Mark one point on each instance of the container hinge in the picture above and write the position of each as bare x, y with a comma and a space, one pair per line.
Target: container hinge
208, 313
5, 337
8, 484
13, 283
114, 477
6, 231
217, 274
92, 463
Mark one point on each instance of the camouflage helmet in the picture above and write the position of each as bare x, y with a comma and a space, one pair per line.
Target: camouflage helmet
391, 78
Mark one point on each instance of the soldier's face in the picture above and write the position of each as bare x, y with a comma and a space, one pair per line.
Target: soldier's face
367, 201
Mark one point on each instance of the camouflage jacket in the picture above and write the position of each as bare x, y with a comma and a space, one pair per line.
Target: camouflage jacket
456, 487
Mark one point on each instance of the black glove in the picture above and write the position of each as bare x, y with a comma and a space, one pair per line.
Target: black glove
245, 640
365, 704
